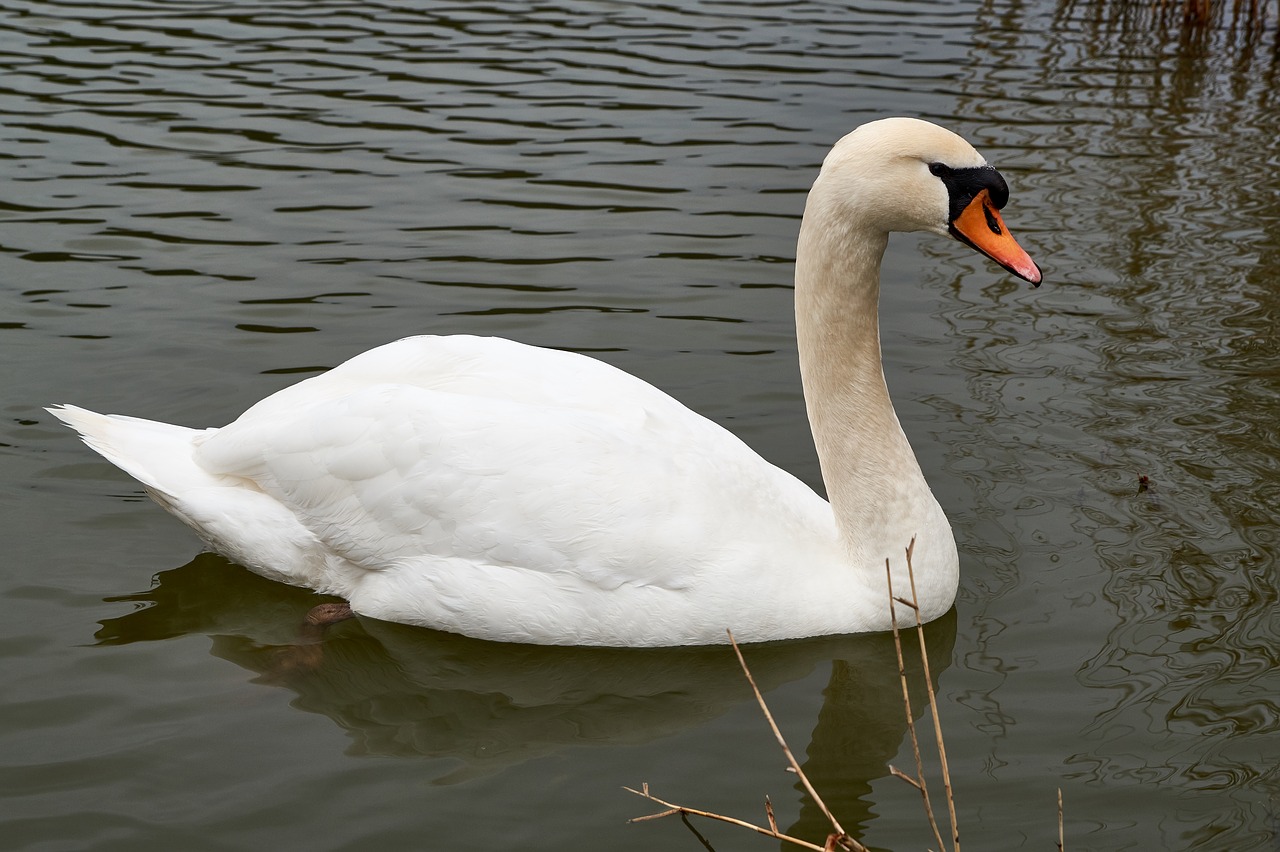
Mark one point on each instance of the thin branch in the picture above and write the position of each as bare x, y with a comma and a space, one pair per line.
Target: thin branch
786, 750
840, 843
898, 773
933, 708
682, 810
1061, 837
839, 839
919, 782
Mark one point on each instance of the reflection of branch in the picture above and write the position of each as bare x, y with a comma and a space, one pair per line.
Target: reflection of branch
672, 810
684, 818
1248, 15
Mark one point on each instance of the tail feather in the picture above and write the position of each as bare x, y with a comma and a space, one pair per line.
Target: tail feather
159, 455
232, 515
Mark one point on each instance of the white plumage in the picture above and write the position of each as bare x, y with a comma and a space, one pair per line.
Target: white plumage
513, 493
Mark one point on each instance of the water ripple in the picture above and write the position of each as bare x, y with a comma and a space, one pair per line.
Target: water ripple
207, 198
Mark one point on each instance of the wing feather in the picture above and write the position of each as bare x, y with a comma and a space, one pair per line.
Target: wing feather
596, 477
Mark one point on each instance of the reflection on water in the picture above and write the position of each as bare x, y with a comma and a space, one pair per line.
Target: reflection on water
1166, 398
1195, 576
403, 691
1194, 26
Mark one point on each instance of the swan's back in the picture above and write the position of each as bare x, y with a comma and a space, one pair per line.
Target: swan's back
474, 366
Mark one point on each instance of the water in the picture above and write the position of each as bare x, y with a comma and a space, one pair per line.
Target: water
205, 202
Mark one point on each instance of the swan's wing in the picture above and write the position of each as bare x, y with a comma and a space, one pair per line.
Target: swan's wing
621, 486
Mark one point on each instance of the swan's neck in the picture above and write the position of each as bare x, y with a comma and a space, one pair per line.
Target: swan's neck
874, 483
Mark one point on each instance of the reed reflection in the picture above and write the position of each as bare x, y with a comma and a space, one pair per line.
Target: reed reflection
1165, 393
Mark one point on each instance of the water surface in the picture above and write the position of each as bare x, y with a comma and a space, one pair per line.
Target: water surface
205, 202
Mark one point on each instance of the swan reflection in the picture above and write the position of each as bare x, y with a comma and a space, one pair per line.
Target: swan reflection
407, 692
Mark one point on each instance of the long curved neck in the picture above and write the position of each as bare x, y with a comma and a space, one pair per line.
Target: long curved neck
873, 480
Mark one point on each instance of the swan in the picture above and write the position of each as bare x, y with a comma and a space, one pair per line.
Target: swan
518, 494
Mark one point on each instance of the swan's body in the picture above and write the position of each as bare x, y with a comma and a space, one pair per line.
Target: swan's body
512, 493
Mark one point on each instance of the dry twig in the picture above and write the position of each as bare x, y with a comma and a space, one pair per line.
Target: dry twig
933, 708
673, 809
918, 782
1061, 838
837, 840
786, 750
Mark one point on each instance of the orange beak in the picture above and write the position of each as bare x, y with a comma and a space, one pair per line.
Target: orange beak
980, 226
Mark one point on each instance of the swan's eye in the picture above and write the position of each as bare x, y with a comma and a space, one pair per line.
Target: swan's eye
939, 170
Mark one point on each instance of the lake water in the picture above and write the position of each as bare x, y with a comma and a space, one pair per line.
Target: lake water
204, 202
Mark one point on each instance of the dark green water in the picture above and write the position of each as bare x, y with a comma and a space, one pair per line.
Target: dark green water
205, 201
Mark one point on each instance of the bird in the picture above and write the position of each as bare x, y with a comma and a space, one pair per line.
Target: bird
481, 486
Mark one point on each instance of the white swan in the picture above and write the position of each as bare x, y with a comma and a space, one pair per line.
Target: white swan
519, 494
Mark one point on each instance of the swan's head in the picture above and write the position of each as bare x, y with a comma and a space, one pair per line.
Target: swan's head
904, 174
